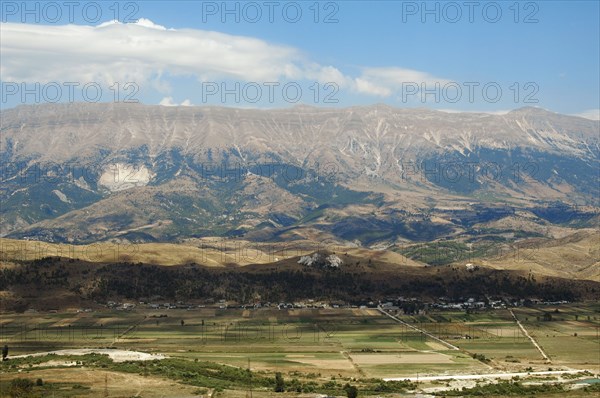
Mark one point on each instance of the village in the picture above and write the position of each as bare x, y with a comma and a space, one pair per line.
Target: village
398, 305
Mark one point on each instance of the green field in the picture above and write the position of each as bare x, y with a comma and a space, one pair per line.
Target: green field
317, 346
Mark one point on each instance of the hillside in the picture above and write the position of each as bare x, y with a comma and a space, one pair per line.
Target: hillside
53, 283
573, 256
83, 173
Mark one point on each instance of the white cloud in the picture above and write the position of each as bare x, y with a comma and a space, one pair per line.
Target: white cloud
168, 101
592, 114
148, 24
384, 81
366, 87
142, 51
496, 112
149, 54
326, 74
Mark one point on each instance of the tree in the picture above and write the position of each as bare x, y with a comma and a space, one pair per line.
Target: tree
279, 382
4, 352
351, 391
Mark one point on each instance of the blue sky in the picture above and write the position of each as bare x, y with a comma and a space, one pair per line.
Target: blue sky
544, 53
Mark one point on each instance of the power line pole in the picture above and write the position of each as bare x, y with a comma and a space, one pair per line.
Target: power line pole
106, 385
249, 392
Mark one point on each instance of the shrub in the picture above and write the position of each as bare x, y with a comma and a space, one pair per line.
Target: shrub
351, 391
20, 388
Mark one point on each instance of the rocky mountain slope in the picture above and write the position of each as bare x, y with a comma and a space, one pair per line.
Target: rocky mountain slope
369, 176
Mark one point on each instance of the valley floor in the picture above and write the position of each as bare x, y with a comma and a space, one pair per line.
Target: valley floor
207, 351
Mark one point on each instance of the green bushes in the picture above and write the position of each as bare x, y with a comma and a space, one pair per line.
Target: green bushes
351, 391
480, 357
200, 374
505, 389
296, 385
395, 386
20, 388
592, 388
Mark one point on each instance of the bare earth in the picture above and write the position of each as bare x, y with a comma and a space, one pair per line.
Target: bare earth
114, 354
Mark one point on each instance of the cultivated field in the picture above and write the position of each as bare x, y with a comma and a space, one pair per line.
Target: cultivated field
317, 346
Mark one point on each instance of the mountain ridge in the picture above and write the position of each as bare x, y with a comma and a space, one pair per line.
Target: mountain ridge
374, 174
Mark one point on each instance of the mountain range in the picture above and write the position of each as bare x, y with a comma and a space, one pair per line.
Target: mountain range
376, 177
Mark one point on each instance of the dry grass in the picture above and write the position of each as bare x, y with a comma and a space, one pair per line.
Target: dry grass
216, 252
150, 253
117, 384
574, 256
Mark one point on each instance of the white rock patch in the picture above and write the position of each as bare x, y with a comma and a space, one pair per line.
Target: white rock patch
82, 183
316, 259
61, 196
115, 354
121, 176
